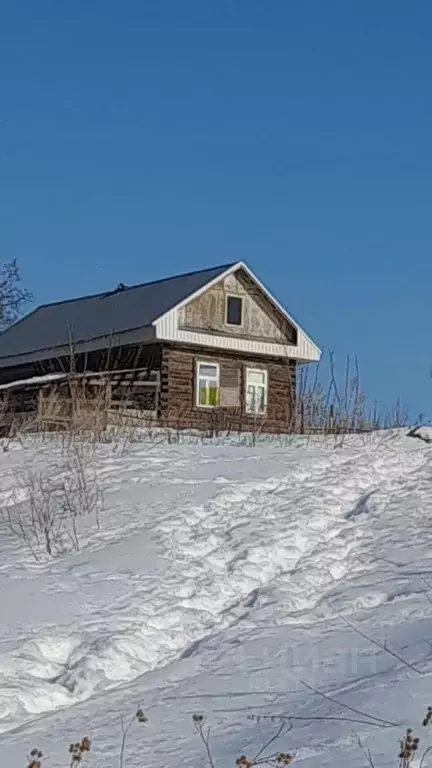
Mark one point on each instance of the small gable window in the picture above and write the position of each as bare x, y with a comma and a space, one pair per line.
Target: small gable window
234, 310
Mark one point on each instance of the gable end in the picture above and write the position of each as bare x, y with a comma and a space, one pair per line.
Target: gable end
261, 327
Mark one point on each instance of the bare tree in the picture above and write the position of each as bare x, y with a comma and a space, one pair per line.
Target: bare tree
13, 297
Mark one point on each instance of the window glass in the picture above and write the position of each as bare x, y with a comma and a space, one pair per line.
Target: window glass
210, 371
234, 310
256, 391
208, 390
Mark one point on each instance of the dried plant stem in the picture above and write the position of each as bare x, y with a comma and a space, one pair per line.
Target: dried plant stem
424, 755
205, 738
379, 720
367, 753
125, 731
382, 646
284, 729
316, 718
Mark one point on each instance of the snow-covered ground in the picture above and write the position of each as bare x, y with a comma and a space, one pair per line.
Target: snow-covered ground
247, 583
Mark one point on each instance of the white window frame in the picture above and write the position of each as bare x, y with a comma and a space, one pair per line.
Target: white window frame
198, 377
234, 296
261, 371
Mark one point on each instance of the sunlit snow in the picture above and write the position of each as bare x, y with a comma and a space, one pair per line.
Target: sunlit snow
289, 579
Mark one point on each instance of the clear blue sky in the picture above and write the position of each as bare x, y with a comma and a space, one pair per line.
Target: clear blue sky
146, 137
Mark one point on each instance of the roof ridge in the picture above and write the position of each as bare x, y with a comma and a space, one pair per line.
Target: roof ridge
221, 267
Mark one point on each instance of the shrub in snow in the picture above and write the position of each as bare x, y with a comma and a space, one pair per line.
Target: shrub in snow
46, 508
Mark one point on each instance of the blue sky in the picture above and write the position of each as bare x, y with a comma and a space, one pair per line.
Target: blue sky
147, 137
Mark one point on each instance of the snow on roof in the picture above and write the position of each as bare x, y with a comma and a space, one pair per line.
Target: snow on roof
34, 381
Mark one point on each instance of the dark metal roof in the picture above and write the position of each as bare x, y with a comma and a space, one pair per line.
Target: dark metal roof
123, 316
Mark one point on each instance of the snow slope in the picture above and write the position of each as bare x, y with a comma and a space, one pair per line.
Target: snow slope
246, 583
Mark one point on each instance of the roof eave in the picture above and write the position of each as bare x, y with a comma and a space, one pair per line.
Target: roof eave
144, 335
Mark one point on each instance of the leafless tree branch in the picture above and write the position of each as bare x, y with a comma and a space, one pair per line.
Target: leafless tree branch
12, 296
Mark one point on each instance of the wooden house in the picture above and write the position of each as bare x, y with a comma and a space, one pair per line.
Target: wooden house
212, 347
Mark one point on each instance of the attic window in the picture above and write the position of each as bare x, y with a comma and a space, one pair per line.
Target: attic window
234, 310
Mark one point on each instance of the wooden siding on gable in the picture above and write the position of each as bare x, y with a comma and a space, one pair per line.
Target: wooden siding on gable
284, 339
260, 320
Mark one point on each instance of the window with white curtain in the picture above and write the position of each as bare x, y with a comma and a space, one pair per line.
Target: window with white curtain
256, 390
208, 388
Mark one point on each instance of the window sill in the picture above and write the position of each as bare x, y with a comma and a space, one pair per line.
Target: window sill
233, 325
207, 407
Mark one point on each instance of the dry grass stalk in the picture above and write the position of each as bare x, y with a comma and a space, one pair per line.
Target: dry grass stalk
139, 717
46, 521
36, 522
408, 749
260, 758
339, 407
381, 645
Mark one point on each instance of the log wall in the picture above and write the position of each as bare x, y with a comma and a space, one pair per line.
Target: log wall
177, 406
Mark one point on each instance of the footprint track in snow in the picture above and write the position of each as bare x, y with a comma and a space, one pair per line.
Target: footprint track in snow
288, 530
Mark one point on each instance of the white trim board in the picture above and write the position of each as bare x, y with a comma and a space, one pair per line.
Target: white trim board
304, 352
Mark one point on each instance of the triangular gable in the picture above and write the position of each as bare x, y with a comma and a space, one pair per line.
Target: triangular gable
168, 326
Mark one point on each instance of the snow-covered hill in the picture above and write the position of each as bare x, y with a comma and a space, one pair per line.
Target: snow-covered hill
244, 583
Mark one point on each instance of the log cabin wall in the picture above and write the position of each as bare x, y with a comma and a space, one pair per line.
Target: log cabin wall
178, 394
173, 368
